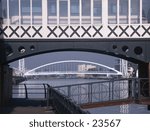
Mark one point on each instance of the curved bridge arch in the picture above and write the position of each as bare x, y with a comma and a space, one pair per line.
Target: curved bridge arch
134, 50
73, 61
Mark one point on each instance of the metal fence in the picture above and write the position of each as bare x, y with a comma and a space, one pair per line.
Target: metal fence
62, 103
67, 97
30, 91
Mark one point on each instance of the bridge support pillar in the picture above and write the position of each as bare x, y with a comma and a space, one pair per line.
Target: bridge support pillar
5, 85
144, 72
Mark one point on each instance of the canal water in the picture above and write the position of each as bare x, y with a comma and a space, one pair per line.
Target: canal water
125, 109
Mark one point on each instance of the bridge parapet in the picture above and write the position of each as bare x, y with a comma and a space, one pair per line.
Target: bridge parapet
71, 19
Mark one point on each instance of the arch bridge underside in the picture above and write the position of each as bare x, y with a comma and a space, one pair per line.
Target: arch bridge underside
135, 50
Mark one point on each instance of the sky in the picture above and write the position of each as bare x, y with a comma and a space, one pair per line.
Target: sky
35, 61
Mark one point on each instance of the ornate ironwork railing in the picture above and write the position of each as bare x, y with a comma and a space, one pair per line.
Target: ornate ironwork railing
62, 103
67, 98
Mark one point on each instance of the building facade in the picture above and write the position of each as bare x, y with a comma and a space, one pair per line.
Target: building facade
75, 18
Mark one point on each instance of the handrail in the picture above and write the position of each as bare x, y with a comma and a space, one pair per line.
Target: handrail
63, 104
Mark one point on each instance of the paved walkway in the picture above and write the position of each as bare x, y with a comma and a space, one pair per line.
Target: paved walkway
22, 106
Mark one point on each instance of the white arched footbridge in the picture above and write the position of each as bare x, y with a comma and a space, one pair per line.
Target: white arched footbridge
73, 67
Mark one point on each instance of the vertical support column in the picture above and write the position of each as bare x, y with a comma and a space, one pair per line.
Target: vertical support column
129, 11
58, 12
44, 13
92, 7
80, 11
5, 85
118, 8
19, 12
69, 4
1, 85
105, 15
140, 12
44, 16
144, 72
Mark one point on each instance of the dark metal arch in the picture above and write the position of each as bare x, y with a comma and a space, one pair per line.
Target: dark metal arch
122, 48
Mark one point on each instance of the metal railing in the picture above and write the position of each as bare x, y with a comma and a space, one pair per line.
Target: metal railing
107, 90
62, 103
66, 99
30, 91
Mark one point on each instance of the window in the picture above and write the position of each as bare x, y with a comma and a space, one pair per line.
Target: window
37, 11
52, 8
74, 7
97, 8
4, 11
135, 11
25, 11
146, 11
123, 12
63, 12
63, 8
112, 11
14, 11
97, 11
86, 7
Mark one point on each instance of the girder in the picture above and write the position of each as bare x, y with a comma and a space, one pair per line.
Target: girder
135, 50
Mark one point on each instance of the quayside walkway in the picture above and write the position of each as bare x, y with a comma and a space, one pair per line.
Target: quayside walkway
24, 106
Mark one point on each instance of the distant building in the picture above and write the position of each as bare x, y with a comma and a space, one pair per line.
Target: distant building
84, 68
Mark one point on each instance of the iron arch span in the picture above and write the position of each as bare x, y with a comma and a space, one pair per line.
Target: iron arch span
134, 50
93, 65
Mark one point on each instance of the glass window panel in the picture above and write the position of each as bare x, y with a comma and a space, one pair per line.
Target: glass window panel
37, 11
135, 11
112, 11
52, 7
97, 11
14, 11
25, 11
74, 7
4, 11
97, 8
63, 9
146, 11
123, 12
86, 7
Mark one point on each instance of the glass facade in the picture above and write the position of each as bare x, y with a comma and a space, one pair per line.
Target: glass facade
63, 12
4, 11
74, 7
86, 11
14, 11
52, 7
123, 12
26, 12
36, 11
112, 11
135, 11
74, 11
97, 11
146, 11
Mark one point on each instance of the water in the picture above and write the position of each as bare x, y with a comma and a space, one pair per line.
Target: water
129, 109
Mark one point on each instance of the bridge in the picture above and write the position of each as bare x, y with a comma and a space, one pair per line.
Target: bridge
73, 67
118, 28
